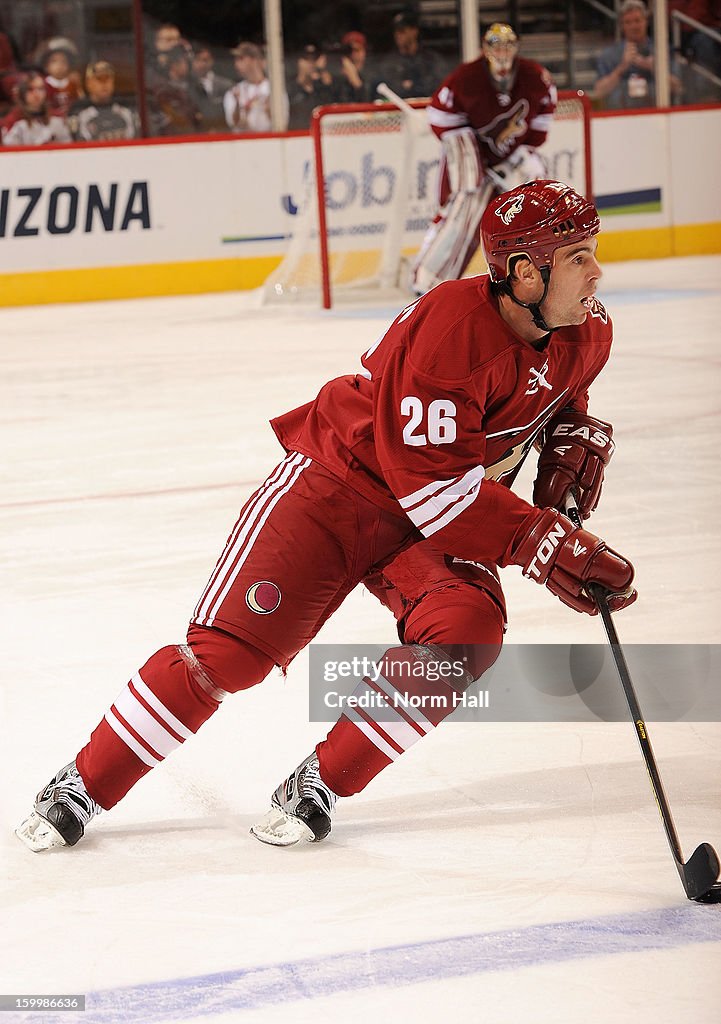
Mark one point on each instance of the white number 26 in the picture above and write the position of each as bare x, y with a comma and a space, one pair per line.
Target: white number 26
441, 423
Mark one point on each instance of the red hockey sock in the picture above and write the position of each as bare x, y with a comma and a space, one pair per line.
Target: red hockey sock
407, 700
167, 701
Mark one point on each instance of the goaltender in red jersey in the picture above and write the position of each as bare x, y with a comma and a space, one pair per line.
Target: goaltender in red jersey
491, 116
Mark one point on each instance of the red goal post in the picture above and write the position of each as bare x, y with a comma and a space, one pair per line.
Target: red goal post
373, 193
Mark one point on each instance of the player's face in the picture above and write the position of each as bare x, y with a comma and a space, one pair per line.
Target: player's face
500, 57
574, 278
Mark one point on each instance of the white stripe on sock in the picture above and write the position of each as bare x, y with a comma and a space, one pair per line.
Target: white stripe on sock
147, 694
371, 733
129, 740
150, 730
415, 713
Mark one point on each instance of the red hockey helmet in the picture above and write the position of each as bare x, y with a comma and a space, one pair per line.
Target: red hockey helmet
534, 219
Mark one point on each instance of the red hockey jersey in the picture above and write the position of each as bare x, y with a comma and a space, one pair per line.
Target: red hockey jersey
503, 121
445, 408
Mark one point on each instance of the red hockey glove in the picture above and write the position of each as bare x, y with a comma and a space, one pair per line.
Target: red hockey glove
576, 450
552, 551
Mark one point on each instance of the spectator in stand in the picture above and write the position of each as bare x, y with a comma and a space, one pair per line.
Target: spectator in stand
174, 110
247, 103
312, 87
10, 76
62, 82
32, 123
626, 68
413, 69
700, 48
350, 82
167, 37
99, 117
208, 89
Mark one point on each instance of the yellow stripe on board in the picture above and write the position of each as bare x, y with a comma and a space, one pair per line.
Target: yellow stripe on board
697, 239
654, 243
197, 277
97, 283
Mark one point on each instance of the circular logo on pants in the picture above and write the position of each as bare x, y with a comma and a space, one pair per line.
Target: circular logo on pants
263, 597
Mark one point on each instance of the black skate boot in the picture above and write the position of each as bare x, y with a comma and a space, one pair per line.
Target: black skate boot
62, 810
301, 808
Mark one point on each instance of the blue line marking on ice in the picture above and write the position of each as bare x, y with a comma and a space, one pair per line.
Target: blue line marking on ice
436, 960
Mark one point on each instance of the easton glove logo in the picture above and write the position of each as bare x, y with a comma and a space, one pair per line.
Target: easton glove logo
546, 549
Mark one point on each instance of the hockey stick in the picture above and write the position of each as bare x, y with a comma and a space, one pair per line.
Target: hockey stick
415, 116
699, 874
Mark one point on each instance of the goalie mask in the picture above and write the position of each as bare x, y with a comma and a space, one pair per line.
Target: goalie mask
500, 49
534, 220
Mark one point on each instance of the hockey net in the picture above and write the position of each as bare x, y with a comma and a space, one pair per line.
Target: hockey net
372, 193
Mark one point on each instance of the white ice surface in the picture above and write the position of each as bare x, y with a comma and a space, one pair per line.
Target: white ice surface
497, 872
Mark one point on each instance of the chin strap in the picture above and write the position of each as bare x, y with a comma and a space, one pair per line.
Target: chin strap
534, 308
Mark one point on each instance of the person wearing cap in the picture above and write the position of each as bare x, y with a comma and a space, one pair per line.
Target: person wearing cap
312, 86
350, 79
626, 73
412, 70
99, 117
247, 103
491, 115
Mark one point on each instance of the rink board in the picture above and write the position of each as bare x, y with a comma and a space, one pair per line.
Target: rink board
190, 217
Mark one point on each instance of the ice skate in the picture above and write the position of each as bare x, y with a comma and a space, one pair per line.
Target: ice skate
62, 810
301, 808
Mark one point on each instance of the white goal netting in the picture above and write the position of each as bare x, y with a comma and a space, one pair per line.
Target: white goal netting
373, 192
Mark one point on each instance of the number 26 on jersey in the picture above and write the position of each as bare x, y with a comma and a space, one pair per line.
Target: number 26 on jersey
436, 425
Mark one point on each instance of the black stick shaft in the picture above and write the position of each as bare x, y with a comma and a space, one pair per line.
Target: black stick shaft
641, 731
599, 596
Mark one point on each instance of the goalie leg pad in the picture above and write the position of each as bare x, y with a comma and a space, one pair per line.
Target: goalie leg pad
450, 241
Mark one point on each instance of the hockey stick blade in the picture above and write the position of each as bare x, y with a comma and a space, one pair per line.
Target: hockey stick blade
699, 874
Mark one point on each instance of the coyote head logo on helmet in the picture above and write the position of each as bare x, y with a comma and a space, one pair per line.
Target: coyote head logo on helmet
508, 210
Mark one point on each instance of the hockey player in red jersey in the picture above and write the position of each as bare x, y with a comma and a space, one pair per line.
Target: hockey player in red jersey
399, 476
490, 115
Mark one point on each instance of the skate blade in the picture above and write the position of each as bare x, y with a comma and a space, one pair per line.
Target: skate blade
280, 829
38, 834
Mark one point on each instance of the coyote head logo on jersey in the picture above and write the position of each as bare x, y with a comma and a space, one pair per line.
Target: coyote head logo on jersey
508, 210
503, 132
